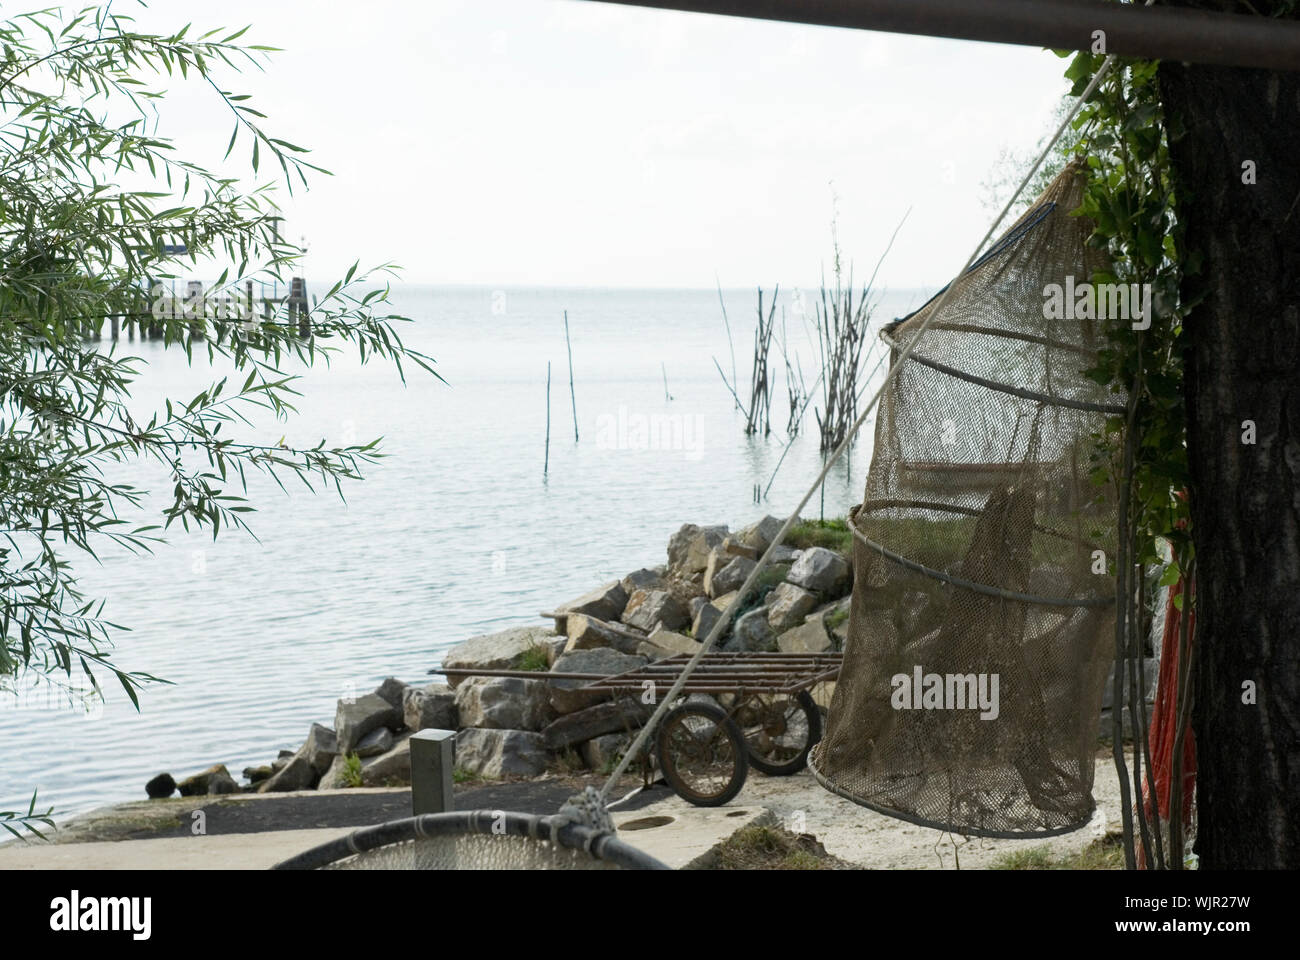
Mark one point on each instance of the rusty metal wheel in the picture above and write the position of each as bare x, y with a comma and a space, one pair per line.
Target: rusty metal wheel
779, 730
702, 753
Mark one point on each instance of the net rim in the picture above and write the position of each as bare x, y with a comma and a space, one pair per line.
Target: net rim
964, 830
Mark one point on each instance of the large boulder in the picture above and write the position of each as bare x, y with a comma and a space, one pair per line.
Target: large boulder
836, 618
566, 697
495, 651
647, 578
720, 580
500, 753
751, 632
707, 616
688, 548
821, 571
431, 707
666, 643
297, 774
809, 637
355, 718
504, 703
601, 753
255, 775
587, 632
647, 609
377, 741
322, 747
603, 603
760, 535
787, 606
212, 781
608, 717
391, 768
392, 690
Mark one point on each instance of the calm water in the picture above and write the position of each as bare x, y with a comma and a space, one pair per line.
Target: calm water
456, 533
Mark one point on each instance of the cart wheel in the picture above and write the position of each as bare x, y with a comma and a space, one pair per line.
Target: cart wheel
779, 731
702, 753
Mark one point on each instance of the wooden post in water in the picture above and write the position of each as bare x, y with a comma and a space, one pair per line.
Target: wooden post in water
298, 305
664, 367
572, 398
113, 327
546, 464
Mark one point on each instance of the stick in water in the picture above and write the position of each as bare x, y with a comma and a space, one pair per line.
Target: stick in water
546, 466
664, 368
572, 398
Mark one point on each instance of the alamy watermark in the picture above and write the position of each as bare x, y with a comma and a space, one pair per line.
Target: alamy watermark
946, 691
627, 430
1129, 302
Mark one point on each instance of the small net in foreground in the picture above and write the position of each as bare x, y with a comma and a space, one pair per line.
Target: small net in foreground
981, 624
475, 840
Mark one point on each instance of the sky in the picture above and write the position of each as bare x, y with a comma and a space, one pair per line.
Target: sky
576, 143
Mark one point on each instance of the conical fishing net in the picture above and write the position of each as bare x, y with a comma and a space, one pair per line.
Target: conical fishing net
981, 626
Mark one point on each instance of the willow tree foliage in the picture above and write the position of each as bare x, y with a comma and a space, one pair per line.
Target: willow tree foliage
94, 202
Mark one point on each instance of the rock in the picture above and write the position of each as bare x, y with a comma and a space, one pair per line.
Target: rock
760, 535
392, 690
647, 578
431, 707
735, 547
788, 606
500, 753
694, 606
565, 695
495, 651
665, 643
281, 758
504, 703
601, 753
751, 632
821, 571
297, 774
255, 775
586, 633
704, 621
729, 577
160, 786
582, 725
333, 777
321, 746
354, 720
725, 600
603, 603
646, 609
389, 769
688, 548
214, 780
784, 554
836, 618
555, 648
377, 741
810, 637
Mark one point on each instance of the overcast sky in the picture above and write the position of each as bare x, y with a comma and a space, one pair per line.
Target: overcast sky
567, 142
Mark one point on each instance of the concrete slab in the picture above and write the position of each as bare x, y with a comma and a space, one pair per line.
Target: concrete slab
230, 851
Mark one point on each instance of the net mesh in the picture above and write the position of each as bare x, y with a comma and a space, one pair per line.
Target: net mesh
473, 852
979, 633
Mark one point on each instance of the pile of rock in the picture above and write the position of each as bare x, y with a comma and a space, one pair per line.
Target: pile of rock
521, 726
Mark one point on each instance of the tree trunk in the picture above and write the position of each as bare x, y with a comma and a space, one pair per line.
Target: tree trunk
1243, 364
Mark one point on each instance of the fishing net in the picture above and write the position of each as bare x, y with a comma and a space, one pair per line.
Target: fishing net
475, 840
981, 624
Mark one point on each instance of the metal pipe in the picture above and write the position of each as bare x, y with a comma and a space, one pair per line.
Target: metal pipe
1131, 30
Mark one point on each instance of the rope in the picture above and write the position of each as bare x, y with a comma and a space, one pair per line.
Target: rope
729, 614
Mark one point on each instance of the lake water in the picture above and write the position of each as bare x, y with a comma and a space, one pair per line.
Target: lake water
456, 533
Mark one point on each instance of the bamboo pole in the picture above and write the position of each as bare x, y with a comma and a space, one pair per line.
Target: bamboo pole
546, 464
572, 398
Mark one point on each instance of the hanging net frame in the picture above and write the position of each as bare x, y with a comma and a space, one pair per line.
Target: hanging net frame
980, 631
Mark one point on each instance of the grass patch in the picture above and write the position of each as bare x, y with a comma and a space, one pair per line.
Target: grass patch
537, 657
831, 534
836, 617
760, 847
351, 770
1104, 853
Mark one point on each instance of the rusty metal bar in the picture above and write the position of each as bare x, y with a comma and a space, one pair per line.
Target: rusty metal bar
1131, 30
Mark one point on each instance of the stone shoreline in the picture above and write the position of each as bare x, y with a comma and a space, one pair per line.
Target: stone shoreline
516, 726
